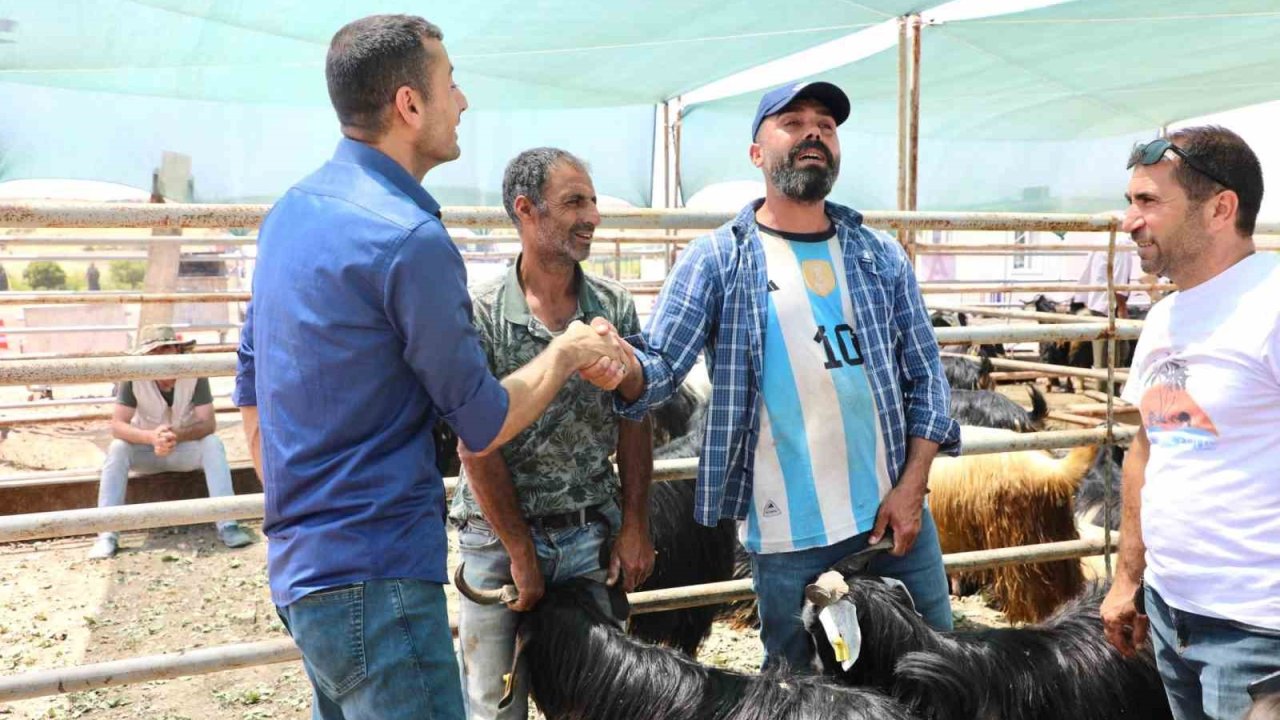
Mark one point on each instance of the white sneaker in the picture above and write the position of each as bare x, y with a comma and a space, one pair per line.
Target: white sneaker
105, 546
234, 536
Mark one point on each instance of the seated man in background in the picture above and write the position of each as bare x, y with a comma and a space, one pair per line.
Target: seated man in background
164, 426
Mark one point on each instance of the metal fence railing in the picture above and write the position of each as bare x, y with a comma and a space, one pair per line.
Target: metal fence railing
675, 223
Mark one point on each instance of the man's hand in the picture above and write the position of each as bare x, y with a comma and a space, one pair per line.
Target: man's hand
1126, 629
528, 580
602, 373
164, 440
597, 352
632, 558
901, 510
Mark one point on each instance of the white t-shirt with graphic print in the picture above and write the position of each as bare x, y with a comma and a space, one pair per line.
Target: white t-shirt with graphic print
1206, 374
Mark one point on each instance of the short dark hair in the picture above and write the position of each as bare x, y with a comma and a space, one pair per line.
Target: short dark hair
369, 60
1226, 155
527, 174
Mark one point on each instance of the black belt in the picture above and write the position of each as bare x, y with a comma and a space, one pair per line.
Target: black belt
573, 518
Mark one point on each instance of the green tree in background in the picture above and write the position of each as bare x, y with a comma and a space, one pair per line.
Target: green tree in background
45, 275
128, 273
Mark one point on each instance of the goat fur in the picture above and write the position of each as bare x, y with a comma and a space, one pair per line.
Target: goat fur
987, 408
582, 667
968, 372
981, 502
688, 554
1063, 669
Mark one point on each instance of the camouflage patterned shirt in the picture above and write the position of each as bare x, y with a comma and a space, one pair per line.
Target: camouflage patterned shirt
561, 462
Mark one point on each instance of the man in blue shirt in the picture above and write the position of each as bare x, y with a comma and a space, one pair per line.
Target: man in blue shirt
828, 399
359, 336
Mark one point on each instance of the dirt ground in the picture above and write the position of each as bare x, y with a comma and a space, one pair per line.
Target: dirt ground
174, 589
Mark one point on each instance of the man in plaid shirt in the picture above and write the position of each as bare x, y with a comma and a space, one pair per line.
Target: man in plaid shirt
828, 402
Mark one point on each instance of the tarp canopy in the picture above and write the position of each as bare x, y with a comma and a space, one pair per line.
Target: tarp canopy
1032, 111
509, 53
97, 89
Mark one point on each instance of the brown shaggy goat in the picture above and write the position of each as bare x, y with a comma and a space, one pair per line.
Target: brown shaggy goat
981, 502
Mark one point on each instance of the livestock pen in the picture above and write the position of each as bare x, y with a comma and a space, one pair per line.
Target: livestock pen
186, 661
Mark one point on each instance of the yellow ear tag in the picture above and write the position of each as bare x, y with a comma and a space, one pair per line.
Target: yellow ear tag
844, 635
506, 681
840, 648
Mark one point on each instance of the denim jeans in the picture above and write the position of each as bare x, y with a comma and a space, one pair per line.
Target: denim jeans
780, 580
487, 633
207, 453
378, 649
1207, 663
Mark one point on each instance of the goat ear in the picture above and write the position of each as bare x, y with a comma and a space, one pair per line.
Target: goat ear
619, 606
512, 677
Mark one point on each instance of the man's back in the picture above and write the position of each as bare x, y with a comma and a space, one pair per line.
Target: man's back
356, 353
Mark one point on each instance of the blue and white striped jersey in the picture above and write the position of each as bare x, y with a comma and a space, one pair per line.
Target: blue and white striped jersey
820, 464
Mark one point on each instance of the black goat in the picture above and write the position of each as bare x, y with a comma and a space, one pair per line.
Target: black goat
688, 554
1091, 495
1063, 669
1061, 352
581, 666
679, 423
948, 318
968, 373
986, 408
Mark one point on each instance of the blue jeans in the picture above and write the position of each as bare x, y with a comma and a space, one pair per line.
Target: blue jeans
1207, 663
487, 633
780, 580
378, 649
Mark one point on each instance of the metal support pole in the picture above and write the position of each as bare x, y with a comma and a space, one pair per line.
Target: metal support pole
913, 131
904, 89
1108, 471
676, 199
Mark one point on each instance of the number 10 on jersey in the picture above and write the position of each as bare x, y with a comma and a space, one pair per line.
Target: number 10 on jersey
846, 340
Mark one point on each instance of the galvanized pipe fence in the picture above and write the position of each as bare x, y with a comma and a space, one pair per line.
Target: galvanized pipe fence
200, 661
147, 516
104, 369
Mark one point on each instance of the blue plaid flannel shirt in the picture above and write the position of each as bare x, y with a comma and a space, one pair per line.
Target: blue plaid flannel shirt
715, 298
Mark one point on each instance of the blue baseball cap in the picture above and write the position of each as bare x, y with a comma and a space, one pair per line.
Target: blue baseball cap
777, 99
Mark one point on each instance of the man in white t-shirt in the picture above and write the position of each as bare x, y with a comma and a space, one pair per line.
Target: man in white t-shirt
1201, 522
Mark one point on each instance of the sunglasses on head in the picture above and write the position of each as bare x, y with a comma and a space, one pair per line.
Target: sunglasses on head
1152, 152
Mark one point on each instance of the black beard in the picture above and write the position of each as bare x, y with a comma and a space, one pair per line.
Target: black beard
807, 184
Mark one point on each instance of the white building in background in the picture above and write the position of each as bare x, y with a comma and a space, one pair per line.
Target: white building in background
1039, 268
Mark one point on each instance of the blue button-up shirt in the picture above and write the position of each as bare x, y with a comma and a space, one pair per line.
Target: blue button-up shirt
715, 299
360, 337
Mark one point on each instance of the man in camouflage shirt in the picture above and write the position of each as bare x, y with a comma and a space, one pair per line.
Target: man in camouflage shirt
541, 509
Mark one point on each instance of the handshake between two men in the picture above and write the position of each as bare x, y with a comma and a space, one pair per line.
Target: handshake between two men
603, 358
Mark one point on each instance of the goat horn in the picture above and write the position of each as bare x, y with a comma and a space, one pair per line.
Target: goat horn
828, 588
504, 594
857, 562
